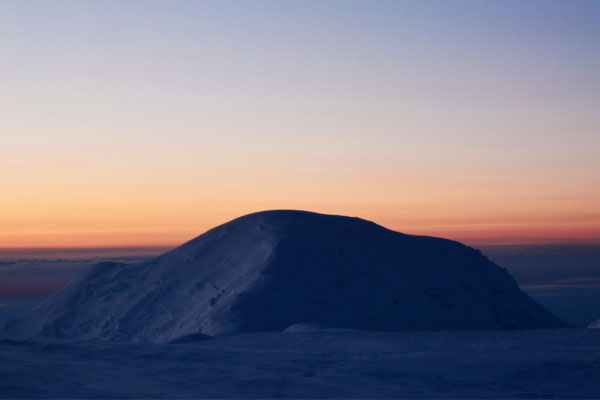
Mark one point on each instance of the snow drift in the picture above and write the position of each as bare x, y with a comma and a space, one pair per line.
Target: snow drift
594, 325
270, 270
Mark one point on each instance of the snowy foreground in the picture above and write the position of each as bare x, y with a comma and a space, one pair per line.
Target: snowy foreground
563, 363
432, 319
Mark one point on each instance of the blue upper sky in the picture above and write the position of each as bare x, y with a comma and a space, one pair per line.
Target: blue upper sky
146, 122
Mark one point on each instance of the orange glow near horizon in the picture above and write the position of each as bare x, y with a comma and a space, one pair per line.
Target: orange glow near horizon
475, 123
73, 202
149, 228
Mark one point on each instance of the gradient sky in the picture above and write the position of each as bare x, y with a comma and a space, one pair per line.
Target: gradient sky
146, 123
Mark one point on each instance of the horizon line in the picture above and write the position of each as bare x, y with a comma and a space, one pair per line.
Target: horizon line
469, 242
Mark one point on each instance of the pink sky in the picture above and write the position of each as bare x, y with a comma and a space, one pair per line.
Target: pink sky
124, 124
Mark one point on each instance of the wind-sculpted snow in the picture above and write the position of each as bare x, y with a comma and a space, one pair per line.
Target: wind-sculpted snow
271, 270
312, 364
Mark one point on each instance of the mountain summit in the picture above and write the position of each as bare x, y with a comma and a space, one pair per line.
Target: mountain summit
270, 270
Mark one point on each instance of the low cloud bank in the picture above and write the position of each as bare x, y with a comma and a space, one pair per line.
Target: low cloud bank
563, 278
29, 276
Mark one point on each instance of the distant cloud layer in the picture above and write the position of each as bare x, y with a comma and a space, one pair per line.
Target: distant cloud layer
27, 277
565, 279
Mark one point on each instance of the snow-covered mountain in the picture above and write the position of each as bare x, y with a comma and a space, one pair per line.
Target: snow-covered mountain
594, 325
270, 270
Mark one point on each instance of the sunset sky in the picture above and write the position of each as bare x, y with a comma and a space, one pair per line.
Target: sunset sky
147, 123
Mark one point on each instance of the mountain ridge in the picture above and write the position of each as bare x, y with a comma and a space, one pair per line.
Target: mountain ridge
269, 270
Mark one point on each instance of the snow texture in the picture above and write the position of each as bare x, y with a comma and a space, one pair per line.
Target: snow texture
594, 325
275, 269
549, 363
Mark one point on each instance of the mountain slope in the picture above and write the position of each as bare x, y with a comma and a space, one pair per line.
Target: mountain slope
269, 270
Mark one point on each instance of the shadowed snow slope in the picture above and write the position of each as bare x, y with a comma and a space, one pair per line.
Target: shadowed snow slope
269, 270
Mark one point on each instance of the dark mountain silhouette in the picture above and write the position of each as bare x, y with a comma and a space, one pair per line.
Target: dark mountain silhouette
270, 270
